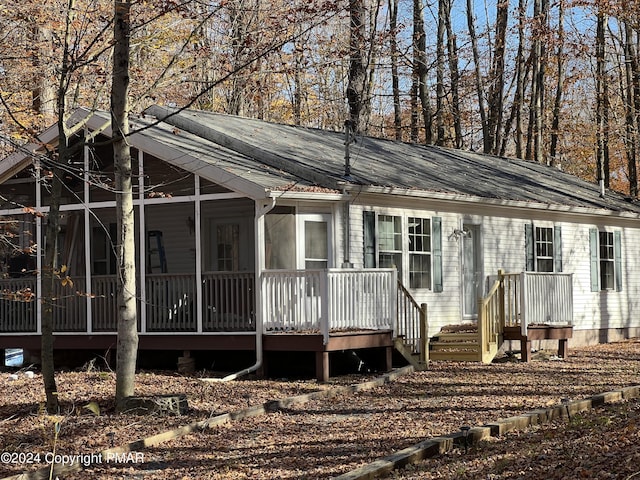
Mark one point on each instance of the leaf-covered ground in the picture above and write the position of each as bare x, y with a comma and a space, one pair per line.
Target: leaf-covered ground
327, 437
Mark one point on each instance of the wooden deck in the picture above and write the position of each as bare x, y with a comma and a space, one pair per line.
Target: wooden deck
381, 340
561, 333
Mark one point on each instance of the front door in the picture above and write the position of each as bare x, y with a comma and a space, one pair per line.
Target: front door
471, 270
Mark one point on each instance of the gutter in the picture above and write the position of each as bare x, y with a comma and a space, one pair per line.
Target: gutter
261, 210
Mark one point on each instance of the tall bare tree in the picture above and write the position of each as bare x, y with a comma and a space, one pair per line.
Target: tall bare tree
602, 102
538, 72
632, 104
454, 72
479, 79
440, 69
420, 73
392, 5
560, 74
127, 344
357, 68
496, 76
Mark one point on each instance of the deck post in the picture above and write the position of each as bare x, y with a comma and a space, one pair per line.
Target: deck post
525, 349
424, 335
388, 365
501, 299
563, 348
322, 366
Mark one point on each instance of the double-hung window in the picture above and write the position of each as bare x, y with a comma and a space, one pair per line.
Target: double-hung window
412, 245
419, 230
606, 260
543, 247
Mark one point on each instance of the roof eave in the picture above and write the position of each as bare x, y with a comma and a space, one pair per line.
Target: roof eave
525, 207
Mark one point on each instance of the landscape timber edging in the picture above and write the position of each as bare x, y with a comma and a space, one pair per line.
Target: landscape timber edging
45, 473
425, 449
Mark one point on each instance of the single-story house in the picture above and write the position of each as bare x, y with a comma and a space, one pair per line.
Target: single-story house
254, 236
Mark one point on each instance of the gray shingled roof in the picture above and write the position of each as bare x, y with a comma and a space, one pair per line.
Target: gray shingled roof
313, 156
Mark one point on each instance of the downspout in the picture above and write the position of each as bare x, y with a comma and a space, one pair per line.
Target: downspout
346, 214
261, 211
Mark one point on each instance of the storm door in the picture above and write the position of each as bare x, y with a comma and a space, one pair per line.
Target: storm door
314, 242
314, 253
471, 270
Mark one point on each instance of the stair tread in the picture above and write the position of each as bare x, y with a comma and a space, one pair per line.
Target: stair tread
455, 336
454, 344
455, 356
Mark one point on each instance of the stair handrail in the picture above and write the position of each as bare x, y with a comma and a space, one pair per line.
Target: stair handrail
491, 317
411, 322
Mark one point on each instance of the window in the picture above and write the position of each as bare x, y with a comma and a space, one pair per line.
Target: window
228, 235
606, 260
390, 242
412, 245
419, 252
543, 247
103, 257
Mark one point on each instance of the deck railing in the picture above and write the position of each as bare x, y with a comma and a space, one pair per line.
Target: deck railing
534, 298
329, 300
227, 304
18, 305
411, 322
491, 319
547, 299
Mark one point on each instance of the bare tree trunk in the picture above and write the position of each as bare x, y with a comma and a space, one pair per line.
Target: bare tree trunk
127, 346
395, 78
496, 87
242, 14
521, 80
557, 104
536, 107
420, 69
415, 110
602, 103
632, 107
50, 266
452, 51
357, 69
478, 77
440, 94
44, 93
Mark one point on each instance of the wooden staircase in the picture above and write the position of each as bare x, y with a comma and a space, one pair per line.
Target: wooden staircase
474, 342
461, 343
514, 299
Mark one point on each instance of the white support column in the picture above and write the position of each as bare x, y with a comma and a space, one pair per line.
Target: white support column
198, 232
142, 246
39, 240
87, 238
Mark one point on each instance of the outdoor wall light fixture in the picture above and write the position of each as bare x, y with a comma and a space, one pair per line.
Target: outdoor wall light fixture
465, 436
459, 233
